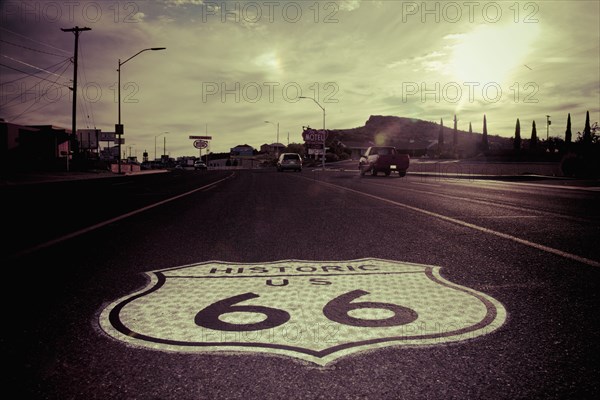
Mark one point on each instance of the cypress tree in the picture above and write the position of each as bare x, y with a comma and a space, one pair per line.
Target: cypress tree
568, 134
455, 135
441, 137
470, 129
533, 141
587, 130
517, 142
485, 146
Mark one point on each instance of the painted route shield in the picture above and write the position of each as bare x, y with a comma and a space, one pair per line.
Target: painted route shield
316, 311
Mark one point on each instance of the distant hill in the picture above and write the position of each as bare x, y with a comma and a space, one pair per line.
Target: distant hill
414, 135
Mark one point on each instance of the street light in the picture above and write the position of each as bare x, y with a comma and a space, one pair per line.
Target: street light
119, 128
277, 142
155, 136
130, 146
322, 108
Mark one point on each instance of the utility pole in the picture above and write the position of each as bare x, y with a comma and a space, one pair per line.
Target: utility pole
75, 31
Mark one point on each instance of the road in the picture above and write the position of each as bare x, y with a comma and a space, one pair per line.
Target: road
320, 284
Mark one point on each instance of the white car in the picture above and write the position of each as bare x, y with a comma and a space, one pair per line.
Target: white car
291, 161
200, 165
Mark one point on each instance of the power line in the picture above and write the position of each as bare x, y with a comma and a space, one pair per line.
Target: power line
36, 99
30, 74
29, 65
43, 94
6, 104
18, 70
30, 48
33, 40
89, 104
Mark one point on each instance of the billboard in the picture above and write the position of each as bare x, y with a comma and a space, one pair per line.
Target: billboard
88, 138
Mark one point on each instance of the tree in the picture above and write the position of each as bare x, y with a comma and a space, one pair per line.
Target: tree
517, 141
441, 137
587, 131
568, 134
455, 136
533, 141
470, 129
485, 145
296, 148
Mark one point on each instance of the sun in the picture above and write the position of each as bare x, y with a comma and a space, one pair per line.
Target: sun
269, 61
490, 53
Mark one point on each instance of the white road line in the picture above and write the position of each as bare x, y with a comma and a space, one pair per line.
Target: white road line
508, 216
491, 183
115, 219
537, 246
425, 184
487, 203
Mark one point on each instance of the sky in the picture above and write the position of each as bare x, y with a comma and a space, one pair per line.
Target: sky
230, 66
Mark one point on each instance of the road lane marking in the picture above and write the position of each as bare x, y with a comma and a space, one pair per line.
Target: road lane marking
115, 219
506, 216
315, 311
425, 184
536, 246
525, 185
488, 203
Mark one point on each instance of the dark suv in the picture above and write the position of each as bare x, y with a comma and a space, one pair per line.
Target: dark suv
291, 161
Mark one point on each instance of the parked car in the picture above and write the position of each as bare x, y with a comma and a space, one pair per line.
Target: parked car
383, 159
200, 165
291, 161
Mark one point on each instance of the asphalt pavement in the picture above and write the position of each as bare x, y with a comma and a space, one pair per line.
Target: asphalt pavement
254, 284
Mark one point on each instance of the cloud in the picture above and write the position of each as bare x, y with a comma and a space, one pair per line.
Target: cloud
367, 51
182, 2
348, 5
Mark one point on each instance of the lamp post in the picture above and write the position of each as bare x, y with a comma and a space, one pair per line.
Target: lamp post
155, 136
164, 146
119, 127
130, 146
322, 108
277, 142
548, 122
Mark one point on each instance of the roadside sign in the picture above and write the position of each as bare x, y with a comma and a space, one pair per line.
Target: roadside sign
200, 144
314, 136
107, 136
201, 137
316, 311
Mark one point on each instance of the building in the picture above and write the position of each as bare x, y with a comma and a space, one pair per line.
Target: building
243, 150
272, 149
357, 148
33, 147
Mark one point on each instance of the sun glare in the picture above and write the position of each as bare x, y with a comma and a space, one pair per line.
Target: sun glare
491, 53
269, 61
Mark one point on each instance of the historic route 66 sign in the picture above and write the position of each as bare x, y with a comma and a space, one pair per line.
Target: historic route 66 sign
317, 311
